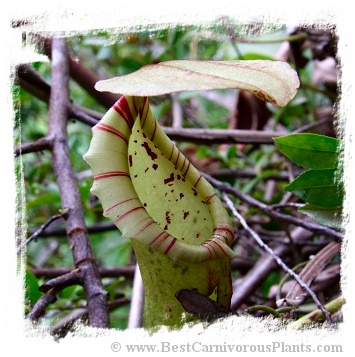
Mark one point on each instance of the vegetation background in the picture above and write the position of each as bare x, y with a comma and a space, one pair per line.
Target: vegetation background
255, 169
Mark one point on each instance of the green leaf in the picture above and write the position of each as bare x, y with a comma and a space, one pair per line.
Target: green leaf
258, 178
257, 56
327, 216
310, 150
318, 187
32, 293
272, 279
71, 293
272, 81
48, 198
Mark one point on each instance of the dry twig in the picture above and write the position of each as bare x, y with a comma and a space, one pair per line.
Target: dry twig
277, 259
311, 226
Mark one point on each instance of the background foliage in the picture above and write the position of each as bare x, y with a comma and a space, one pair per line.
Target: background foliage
258, 170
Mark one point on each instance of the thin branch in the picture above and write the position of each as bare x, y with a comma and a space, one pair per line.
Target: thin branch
71, 200
198, 136
83, 116
245, 286
313, 125
52, 287
49, 273
284, 278
95, 228
242, 263
42, 304
222, 136
286, 205
94, 114
31, 81
44, 143
83, 76
246, 173
267, 309
311, 226
177, 112
61, 328
36, 234
59, 283
318, 315
277, 259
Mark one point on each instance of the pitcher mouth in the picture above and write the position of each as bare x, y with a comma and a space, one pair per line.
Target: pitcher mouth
149, 189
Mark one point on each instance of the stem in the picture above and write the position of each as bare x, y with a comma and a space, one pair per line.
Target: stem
71, 200
284, 309
291, 38
268, 309
318, 315
137, 301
